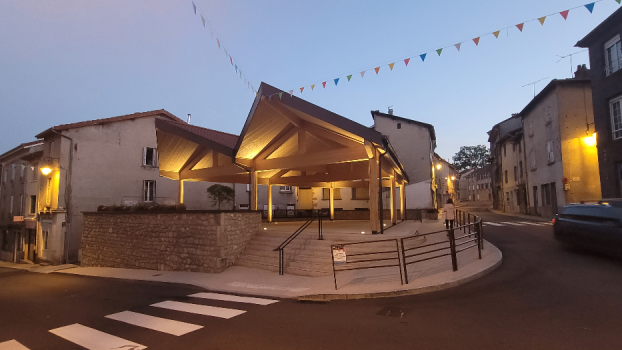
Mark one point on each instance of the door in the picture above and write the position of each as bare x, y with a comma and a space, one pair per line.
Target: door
535, 200
32, 245
305, 198
553, 198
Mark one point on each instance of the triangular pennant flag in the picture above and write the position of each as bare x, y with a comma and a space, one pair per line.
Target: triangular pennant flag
269, 97
263, 98
302, 88
32, 168
520, 26
226, 53
439, 51
324, 84
240, 74
423, 57
542, 19
236, 68
280, 95
377, 69
590, 7
349, 77
564, 14
218, 41
406, 61
291, 93
336, 81
476, 41
391, 65
203, 19
231, 59
458, 46
496, 34
312, 86
619, 1
194, 7
362, 73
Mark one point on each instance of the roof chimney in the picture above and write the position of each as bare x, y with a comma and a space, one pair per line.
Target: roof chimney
390, 110
582, 72
188, 118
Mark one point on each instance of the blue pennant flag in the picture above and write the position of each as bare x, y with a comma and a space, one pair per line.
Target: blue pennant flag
236, 68
195, 8
590, 7
336, 81
423, 57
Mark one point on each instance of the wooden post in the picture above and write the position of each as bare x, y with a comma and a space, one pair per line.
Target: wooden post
253, 190
393, 201
269, 203
373, 192
403, 201
331, 201
181, 191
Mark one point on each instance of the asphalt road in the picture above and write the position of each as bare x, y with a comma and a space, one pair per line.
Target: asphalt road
543, 296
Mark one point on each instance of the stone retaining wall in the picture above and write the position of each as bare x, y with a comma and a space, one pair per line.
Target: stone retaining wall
199, 241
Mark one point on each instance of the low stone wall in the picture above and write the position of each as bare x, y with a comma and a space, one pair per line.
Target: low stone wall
198, 241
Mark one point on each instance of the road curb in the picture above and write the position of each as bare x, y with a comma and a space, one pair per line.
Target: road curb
399, 293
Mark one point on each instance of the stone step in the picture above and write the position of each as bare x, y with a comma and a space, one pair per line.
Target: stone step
288, 270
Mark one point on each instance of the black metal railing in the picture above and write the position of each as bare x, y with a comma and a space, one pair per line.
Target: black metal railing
367, 258
319, 214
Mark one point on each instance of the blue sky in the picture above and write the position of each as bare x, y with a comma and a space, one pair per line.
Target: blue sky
65, 61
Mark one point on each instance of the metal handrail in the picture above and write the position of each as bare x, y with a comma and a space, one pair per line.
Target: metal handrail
293, 236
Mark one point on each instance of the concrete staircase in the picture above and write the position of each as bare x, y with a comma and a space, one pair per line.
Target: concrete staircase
306, 255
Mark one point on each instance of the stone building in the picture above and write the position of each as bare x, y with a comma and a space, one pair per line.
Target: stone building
606, 79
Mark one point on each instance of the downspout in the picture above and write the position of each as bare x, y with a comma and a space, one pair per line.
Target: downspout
67, 195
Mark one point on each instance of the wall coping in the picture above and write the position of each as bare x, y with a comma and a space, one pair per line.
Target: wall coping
145, 212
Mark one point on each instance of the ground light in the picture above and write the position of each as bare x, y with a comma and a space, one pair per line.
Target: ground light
46, 171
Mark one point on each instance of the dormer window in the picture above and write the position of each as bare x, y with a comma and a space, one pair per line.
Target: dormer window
613, 55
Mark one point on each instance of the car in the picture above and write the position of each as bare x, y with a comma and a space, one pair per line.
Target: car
596, 226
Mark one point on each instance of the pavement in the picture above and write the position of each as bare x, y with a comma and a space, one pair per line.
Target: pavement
522, 216
427, 276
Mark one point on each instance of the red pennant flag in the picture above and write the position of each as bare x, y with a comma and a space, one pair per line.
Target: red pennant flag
406, 61
476, 41
564, 14
520, 26
458, 46
377, 69
324, 84
302, 88
218, 41
362, 73
231, 59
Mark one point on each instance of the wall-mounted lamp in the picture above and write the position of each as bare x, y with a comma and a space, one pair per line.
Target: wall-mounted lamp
453, 178
590, 141
438, 166
46, 170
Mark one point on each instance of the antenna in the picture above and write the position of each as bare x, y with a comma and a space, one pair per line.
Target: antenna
534, 85
570, 55
188, 118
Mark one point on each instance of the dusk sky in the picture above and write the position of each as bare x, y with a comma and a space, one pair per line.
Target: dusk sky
66, 61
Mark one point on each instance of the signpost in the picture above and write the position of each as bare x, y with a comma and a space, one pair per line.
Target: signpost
339, 254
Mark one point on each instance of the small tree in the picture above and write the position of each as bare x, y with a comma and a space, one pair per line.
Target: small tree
220, 194
471, 157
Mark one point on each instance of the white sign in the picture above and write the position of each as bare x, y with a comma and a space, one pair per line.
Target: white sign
18, 219
339, 254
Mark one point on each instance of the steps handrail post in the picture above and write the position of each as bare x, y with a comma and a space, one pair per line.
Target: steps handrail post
452, 247
478, 235
397, 251
404, 261
332, 256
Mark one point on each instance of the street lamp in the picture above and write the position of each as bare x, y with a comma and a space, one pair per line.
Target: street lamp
46, 170
453, 178
438, 166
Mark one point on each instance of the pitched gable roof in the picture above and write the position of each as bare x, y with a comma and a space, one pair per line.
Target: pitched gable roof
220, 137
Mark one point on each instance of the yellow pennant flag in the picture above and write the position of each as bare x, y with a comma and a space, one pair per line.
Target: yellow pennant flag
542, 19
391, 65
497, 33
312, 86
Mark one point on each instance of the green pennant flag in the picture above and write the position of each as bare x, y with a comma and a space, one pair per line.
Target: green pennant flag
619, 1
203, 19
349, 77
439, 51
280, 95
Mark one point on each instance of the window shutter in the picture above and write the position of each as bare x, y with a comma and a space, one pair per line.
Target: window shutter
154, 191
155, 157
144, 155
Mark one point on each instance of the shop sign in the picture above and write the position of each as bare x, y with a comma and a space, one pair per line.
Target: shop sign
339, 254
18, 219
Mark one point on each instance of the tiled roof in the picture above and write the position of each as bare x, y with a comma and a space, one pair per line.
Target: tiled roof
220, 137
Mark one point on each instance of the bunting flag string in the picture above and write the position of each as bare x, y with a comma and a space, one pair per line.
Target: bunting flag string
458, 46
207, 23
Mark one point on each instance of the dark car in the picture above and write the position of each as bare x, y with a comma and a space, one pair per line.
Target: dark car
596, 226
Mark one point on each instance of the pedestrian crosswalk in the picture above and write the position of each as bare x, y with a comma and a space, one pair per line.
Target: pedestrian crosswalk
517, 223
94, 339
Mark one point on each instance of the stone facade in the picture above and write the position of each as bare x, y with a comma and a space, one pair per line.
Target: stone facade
198, 241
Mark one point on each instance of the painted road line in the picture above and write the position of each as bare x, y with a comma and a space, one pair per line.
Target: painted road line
264, 287
93, 339
513, 223
159, 324
12, 345
200, 309
532, 223
493, 223
234, 298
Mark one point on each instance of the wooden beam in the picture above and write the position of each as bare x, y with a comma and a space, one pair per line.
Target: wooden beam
269, 203
181, 192
374, 220
195, 158
332, 136
277, 141
253, 190
209, 173
403, 202
343, 176
173, 175
393, 202
331, 201
318, 158
286, 114
302, 141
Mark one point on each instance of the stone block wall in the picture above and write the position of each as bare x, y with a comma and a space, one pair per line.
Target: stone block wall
198, 241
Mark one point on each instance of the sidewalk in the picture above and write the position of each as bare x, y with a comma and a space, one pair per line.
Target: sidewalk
522, 216
36, 267
427, 276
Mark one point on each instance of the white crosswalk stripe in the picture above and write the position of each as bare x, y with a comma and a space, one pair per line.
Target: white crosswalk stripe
200, 309
517, 223
12, 345
493, 224
532, 223
512, 223
93, 339
159, 324
234, 298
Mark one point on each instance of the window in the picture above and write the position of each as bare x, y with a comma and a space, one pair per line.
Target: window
546, 195
399, 125
149, 190
6, 175
360, 193
45, 235
336, 193
506, 176
616, 117
530, 129
532, 159
21, 175
150, 156
13, 172
520, 149
248, 187
549, 152
520, 165
513, 147
33, 204
515, 174
547, 115
507, 196
286, 189
613, 55
11, 207
35, 173
21, 205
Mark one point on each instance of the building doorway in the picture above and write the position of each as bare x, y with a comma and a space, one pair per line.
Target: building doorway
31, 247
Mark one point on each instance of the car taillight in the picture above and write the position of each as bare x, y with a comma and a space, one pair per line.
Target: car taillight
553, 221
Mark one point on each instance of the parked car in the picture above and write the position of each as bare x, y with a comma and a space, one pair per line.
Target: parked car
596, 226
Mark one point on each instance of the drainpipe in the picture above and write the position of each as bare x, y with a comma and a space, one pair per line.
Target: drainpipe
67, 197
